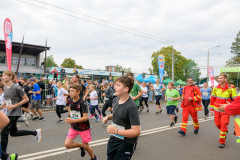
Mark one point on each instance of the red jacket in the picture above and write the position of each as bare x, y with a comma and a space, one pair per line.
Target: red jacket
234, 107
53, 72
194, 92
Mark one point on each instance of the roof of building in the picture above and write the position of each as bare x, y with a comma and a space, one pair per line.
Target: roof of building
27, 48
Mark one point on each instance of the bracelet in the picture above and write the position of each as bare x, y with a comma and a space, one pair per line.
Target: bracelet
117, 131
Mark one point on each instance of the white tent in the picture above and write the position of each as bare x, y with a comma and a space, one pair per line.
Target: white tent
210, 83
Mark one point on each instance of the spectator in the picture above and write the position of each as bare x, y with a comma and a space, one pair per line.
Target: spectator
75, 71
55, 74
151, 92
62, 73
110, 79
49, 92
42, 86
85, 83
65, 79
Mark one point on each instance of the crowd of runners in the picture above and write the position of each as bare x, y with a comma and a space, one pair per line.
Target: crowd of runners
124, 98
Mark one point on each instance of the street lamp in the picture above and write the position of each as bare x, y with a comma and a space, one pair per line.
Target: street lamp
208, 61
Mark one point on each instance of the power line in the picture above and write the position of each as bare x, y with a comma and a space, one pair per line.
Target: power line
162, 40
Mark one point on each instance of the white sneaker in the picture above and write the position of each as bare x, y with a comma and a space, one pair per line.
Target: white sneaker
39, 135
23, 117
26, 122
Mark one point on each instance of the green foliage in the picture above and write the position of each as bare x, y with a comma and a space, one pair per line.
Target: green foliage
50, 61
182, 66
235, 50
70, 63
120, 69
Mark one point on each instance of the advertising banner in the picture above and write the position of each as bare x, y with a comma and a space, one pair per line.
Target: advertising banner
161, 64
211, 75
8, 41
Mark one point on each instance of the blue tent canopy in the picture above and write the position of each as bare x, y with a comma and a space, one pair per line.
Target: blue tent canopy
152, 79
139, 78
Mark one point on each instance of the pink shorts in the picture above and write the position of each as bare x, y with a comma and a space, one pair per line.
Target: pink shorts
85, 135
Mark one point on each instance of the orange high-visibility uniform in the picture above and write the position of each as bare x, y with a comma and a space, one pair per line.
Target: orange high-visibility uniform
234, 109
221, 119
191, 107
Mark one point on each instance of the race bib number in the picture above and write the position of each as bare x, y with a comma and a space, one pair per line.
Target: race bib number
8, 102
91, 101
120, 128
169, 98
156, 93
205, 94
114, 94
75, 114
106, 99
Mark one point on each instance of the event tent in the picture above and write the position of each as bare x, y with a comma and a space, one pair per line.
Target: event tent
150, 79
139, 78
181, 82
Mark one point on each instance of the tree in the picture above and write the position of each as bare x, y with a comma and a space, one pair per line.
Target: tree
235, 50
182, 65
70, 63
192, 70
120, 69
150, 70
50, 61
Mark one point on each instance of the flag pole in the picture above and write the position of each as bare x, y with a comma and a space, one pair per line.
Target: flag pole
20, 55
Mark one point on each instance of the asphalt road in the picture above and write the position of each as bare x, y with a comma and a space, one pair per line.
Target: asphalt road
157, 140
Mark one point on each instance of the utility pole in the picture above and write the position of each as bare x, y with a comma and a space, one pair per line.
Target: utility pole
172, 65
20, 54
45, 63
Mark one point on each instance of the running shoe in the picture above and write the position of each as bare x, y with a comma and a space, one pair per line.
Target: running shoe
23, 117
41, 119
182, 132
39, 135
147, 111
13, 156
95, 158
195, 131
221, 145
82, 152
175, 119
177, 109
60, 121
160, 111
172, 124
26, 122
100, 116
35, 118
97, 119
91, 117
157, 113
205, 117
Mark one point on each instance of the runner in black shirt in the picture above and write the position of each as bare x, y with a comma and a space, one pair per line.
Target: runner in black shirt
125, 127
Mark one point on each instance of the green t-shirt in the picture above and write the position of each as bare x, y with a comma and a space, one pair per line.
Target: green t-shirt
172, 94
134, 92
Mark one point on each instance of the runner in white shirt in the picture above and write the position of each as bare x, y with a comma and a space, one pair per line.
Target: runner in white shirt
61, 100
2, 99
144, 97
94, 101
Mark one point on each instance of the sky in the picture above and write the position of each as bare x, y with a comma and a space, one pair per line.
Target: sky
126, 33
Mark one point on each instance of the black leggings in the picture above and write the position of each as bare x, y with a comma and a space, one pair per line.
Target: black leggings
11, 128
145, 99
105, 107
205, 104
158, 98
59, 110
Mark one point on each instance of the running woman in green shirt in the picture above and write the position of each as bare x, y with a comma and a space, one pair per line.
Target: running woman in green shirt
172, 96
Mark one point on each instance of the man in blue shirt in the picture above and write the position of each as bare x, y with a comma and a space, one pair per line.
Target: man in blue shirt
36, 100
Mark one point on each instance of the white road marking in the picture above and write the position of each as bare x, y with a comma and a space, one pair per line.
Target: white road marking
62, 150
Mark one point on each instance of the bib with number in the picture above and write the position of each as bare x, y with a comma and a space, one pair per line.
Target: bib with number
156, 93
8, 102
118, 127
169, 98
106, 99
205, 94
75, 114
